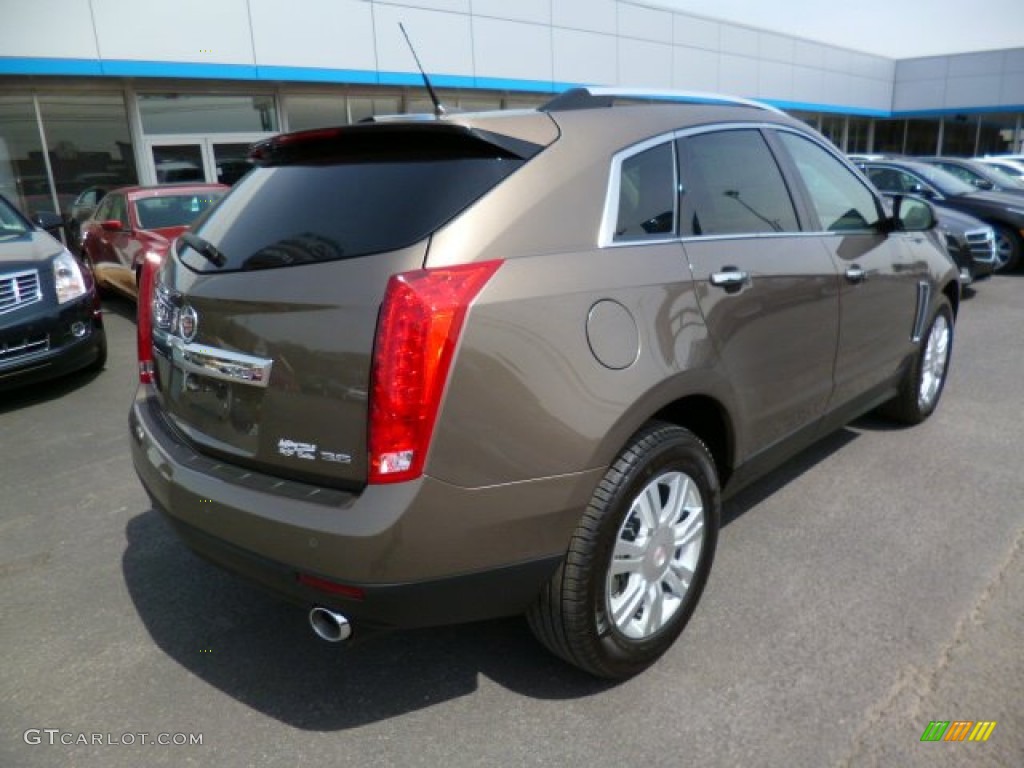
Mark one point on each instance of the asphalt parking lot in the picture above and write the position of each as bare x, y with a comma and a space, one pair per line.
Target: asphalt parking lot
872, 585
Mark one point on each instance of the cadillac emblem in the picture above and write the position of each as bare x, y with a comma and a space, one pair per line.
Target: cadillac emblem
188, 323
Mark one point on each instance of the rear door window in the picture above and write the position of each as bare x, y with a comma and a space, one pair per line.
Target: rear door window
732, 185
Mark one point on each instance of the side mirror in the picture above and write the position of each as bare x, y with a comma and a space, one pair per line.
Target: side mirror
911, 214
49, 221
111, 225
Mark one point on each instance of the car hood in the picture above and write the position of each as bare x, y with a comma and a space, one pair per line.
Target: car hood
30, 248
952, 219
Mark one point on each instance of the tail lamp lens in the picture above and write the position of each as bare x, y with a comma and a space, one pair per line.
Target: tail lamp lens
417, 333
144, 316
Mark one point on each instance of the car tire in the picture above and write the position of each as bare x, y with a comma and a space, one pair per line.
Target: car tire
638, 560
1009, 248
925, 379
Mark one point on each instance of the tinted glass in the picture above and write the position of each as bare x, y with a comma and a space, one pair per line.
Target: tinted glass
647, 195
193, 113
173, 210
295, 214
842, 201
732, 185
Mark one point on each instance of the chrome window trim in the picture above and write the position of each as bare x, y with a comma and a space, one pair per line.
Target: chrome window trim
606, 235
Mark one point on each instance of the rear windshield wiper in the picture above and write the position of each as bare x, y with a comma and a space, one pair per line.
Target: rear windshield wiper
204, 248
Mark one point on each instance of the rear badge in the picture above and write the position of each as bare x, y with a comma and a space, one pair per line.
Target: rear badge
308, 452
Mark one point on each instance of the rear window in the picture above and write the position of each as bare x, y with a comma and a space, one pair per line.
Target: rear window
298, 214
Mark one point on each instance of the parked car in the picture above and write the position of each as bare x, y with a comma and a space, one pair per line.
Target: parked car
1003, 212
132, 222
81, 210
427, 371
50, 318
971, 243
976, 173
1008, 165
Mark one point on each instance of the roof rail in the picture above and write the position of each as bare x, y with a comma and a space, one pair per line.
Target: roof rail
593, 97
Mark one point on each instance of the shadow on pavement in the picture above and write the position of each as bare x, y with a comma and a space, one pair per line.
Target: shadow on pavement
262, 652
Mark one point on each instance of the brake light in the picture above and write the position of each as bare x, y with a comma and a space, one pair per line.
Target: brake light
417, 332
144, 317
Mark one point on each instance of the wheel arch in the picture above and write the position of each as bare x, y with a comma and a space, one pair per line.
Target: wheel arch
709, 420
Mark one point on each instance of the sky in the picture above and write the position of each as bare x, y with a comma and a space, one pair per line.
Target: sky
896, 29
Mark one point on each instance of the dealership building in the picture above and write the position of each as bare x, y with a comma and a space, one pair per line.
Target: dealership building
96, 93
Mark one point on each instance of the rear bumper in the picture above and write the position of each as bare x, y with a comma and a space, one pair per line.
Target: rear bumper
422, 553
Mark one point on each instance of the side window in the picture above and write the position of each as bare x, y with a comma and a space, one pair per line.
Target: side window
966, 176
647, 200
118, 210
842, 201
732, 185
103, 212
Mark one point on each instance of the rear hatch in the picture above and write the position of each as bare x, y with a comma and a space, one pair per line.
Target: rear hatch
264, 316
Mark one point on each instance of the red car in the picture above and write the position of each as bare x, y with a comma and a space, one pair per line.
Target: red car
133, 223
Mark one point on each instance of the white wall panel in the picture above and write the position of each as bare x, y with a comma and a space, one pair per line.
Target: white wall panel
838, 59
930, 68
59, 28
775, 80
696, 33
589, 15
808, 54
776, 47
809, 85
585, 57
972, 91
739, 40
645, 23
443, 41
694, 69
973, 64
454, 6
919, 94
511, 49
342, 37
645, 64
1012, 91
1013, 61
184, 30
536, 11
737, 75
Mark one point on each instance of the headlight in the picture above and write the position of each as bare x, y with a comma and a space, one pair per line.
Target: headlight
67, 277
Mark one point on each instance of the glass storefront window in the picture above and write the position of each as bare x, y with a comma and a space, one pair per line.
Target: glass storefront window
997, 133
23, 178
958, 135
922, 137
361, 107
89, 143
889, 136
858, 137
315, 111
199, 114
832, 129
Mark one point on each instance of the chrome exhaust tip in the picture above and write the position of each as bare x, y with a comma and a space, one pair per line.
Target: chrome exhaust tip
329, 625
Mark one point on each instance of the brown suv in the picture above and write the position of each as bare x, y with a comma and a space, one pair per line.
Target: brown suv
425, 371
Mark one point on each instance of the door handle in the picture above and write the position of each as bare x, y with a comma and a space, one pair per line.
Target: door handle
855, 274
730, 278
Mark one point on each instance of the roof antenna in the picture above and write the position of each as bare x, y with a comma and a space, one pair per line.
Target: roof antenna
439, 110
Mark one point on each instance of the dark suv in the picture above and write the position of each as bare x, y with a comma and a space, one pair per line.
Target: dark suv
426, 371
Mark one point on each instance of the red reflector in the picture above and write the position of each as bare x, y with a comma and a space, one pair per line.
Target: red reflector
355, 593
417, 332
144, 317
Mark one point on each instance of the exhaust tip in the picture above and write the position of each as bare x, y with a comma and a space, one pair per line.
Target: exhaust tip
329, 625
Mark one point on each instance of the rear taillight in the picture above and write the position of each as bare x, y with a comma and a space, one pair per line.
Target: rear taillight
417, 332
144, 317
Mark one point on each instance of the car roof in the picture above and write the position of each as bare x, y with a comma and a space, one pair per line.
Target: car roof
161, 190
